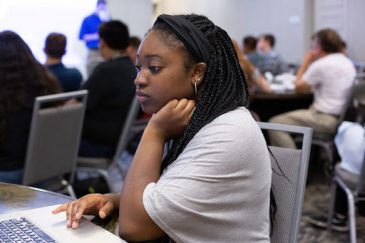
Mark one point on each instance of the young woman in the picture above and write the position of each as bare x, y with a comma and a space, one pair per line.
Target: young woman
213, 184
22, 78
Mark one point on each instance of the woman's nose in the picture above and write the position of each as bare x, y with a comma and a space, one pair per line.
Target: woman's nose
140, 80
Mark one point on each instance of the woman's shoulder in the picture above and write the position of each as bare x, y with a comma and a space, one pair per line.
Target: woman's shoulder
233, 129
237, 120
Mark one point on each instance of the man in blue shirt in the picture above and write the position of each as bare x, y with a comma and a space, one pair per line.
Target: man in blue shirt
55, 47
269, 60
89, 34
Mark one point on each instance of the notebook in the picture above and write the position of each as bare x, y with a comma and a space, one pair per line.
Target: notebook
55, 226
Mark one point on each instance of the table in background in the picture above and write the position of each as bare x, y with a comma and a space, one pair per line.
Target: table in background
269, 105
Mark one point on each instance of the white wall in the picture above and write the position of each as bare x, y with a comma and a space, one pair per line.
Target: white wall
347, 17
137, 14
287, 19
33, 20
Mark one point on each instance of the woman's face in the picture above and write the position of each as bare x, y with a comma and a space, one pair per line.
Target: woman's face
162, 75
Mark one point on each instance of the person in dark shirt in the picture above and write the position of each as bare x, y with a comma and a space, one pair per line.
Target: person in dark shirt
55, 47
111, 91
134, 42
22, 78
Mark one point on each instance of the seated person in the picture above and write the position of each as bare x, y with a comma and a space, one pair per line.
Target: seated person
330, 75
55, 48
269, 59
111, 91
132, 49
22, 79
256, 82
249, 49
350, 143
214, 183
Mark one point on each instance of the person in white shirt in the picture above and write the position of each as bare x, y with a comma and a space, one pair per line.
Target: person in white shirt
350, 143
214, 183
330, 75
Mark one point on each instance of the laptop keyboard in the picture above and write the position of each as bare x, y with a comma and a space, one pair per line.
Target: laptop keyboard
22, 230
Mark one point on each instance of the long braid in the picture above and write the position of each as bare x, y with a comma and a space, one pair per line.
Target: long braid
223, 88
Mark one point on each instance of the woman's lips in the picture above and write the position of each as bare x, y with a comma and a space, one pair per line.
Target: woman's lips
141, 96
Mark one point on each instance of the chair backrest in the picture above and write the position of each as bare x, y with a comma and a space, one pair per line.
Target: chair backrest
54, 137
351, 108
359, 102
288, 181
360, 190
126, 130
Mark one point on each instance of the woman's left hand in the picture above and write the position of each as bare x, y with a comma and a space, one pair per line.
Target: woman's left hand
172, 119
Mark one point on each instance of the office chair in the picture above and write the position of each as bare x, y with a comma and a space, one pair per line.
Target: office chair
54, 141
288, 181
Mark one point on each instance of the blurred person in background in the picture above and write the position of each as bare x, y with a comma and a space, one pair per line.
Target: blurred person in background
249, 49
89, 34
22, 79
270, 60
256, 82
55, 48
111, 91
134, 42
329, 74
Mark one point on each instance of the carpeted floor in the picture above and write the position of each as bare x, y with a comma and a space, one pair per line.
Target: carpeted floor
316, 202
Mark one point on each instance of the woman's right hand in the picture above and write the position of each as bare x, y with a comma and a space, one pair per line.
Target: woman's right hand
172, 119
91, 204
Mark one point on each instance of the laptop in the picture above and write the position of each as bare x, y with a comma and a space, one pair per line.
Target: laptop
51, 228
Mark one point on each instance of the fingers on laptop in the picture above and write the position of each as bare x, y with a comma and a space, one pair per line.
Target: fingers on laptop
73, 210
106, 210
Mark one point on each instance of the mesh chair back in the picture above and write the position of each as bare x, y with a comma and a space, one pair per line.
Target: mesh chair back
54, 137
288, 182
285, 188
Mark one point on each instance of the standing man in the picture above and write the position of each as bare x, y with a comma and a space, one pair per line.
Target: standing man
111, 91
330, 75
55, 47
89, 34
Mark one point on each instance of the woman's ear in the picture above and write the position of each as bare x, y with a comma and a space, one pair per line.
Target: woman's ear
198, 72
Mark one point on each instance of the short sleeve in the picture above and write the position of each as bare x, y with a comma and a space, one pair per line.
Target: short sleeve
313, 74
187, 201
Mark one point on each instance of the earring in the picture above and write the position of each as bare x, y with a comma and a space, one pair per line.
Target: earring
195, 88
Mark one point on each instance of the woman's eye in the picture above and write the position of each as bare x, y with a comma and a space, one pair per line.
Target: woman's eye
154, 69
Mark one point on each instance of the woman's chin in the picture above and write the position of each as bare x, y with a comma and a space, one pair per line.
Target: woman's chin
149, 109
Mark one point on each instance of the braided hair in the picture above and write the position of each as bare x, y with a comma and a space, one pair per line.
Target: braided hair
223, 88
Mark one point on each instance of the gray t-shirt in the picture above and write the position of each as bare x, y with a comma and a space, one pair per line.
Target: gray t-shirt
218, 189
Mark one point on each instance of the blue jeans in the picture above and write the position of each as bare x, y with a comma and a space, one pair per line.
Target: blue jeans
11, 176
